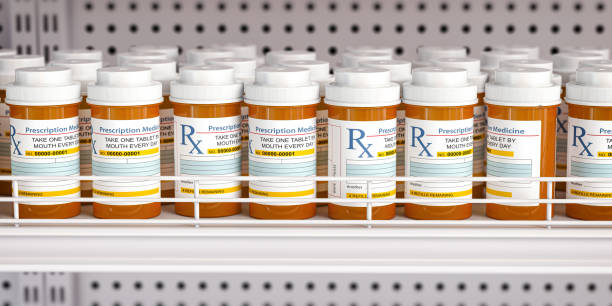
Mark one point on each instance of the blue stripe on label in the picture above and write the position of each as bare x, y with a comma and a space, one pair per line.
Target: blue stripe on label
441, 170
122, 169
46, 169
85, 157
384, 170
508, 169
591, 170
278, 169
217, 167
167, 156
479, 152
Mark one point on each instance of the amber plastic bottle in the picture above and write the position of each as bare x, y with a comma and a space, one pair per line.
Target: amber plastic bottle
439, 131
362, 136
34, 118
589, 99
125, 109
522, 105
206, 103
282, 110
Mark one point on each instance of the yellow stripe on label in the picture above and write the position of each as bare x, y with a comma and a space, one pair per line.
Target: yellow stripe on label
322, 141
386, 153
591, 194
440, 195
400, 141
40, 194
5, 171
455, 153
129, 153
282, 194
499, 193
224, 150
284, 153
84, 140
478, 137
53, 152
167, 140
212, 191
604, 154
376, 195
500, 152
125, 194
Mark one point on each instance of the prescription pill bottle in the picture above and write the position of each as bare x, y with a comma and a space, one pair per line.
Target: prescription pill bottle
565, 65
277, 57
401, 72
426, 54
84, 71
170, 51
244, 72
44, 136
240, 50
202, 56
478, 78
125, 141
207, 121
522, 105
533, 63
319, 72
362, 141
595, 63
78, 54
124, 58
164, 71
352, 60
491, 60
282, 140
589, 100
439, 132
8, 65
533, 52
604, 52
370, 49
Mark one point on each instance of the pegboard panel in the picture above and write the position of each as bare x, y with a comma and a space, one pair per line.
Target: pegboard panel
103, 289
21, 25
8, 289
4, 25
327, 26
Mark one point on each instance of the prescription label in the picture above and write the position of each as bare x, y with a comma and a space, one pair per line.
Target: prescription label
244, 127
439, 148
513, 150
480, 135
282, 148
125, 148
401, 141
589, 152
166, 132
322, 143
208, 147
364, 149
562, 128
46, 148
5, 145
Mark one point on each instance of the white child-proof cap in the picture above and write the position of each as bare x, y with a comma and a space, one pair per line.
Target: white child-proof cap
471, 66
201, 56
163, 71
523, 86
319, 72
363, 87
239, 50
83, 70
124, 86
244, 68
492, 59
77, 54
5, 52
426, 54
533, 52
440, 86
282, 86
277, 57
596, 63
10, 63
370, 49
124, 58
352, 60
605, 52
533, 63
566, 64
170, 51
592, 87
401, 71
43, 86
210, 84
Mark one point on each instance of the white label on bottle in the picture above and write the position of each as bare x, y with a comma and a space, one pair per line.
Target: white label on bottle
166, 132
401, 141
208, 147
46, 148
322, 143
562, 112
5, 145
513, 150
244, 126
480, 134
366, 149
125, 148
589, 152
282, 148
439, 149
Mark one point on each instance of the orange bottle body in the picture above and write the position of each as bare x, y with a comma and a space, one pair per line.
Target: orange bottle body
537, 144
344, 123
429, 131
127, 117
480, 138
322, 144
205, 123
5, 166
65, 163
166, 126
286, 161
85, 145
562, 118
244, 113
